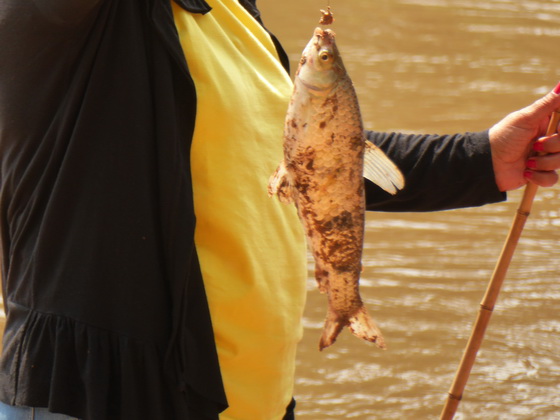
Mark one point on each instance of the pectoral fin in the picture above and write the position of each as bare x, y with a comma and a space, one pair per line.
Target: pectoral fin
279, 184
380, 170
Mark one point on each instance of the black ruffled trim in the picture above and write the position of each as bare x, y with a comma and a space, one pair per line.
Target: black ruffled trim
86, 372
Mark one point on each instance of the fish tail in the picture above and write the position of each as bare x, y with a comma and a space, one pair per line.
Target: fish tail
364, 327
360, 324
333, 325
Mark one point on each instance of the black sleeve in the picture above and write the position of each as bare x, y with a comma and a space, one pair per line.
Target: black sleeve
441, 172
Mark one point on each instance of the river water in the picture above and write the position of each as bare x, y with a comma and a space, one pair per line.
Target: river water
440, 66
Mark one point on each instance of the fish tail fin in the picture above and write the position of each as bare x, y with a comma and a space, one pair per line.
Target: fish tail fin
279, 185
333, 325
364, 327
360, 324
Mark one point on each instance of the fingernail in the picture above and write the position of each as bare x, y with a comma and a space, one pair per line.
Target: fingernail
538, 146
557, 89
531, 164
528, 174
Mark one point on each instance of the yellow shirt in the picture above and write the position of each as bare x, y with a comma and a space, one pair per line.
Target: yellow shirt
251, 248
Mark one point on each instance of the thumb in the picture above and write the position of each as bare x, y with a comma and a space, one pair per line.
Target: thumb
543, 107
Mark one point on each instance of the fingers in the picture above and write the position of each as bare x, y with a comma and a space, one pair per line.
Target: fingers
548, 158
550, 144
550, 162
541, 168
542, 179
540, 110
548, 103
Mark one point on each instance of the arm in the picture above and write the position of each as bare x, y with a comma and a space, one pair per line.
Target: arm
471, 169
441, 172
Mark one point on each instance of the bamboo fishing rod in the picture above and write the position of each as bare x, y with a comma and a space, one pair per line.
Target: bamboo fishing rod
487, 305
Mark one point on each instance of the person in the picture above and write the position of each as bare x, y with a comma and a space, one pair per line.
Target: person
146, 274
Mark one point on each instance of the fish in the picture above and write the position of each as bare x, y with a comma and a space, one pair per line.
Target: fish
326, 157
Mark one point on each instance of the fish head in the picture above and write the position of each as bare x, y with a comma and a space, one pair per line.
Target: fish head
320, 66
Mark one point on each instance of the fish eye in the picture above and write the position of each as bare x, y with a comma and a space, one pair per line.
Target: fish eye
324, 55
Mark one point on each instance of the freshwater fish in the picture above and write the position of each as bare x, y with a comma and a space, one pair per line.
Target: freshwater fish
326, 157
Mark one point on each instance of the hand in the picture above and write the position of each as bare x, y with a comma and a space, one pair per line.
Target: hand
514, 138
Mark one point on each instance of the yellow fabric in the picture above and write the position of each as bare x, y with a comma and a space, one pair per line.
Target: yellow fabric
251, 247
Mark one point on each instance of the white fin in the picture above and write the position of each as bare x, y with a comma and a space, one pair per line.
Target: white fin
279, 185
380, 170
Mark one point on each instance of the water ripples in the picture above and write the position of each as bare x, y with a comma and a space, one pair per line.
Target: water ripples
440, 66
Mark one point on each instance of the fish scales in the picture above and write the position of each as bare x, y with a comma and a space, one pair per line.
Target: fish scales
322, 174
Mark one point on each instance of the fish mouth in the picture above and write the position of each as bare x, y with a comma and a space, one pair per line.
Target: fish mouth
320, 32
324, 36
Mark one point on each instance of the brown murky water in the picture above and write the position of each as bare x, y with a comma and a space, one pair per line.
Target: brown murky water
440, 66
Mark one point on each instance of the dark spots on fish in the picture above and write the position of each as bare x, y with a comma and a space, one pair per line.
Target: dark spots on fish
321, 274
289, 138
303, 60
357, 143
347, 265
329, 110
360, 190
344, 256
309, 232
302, 185
309, 151
302, 163
293, 123
355, 177
309, 165
336, 226
284, 189
308, 213
340, 245
342, 221
331, 102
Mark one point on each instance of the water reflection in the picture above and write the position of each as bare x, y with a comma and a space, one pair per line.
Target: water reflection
440, 66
